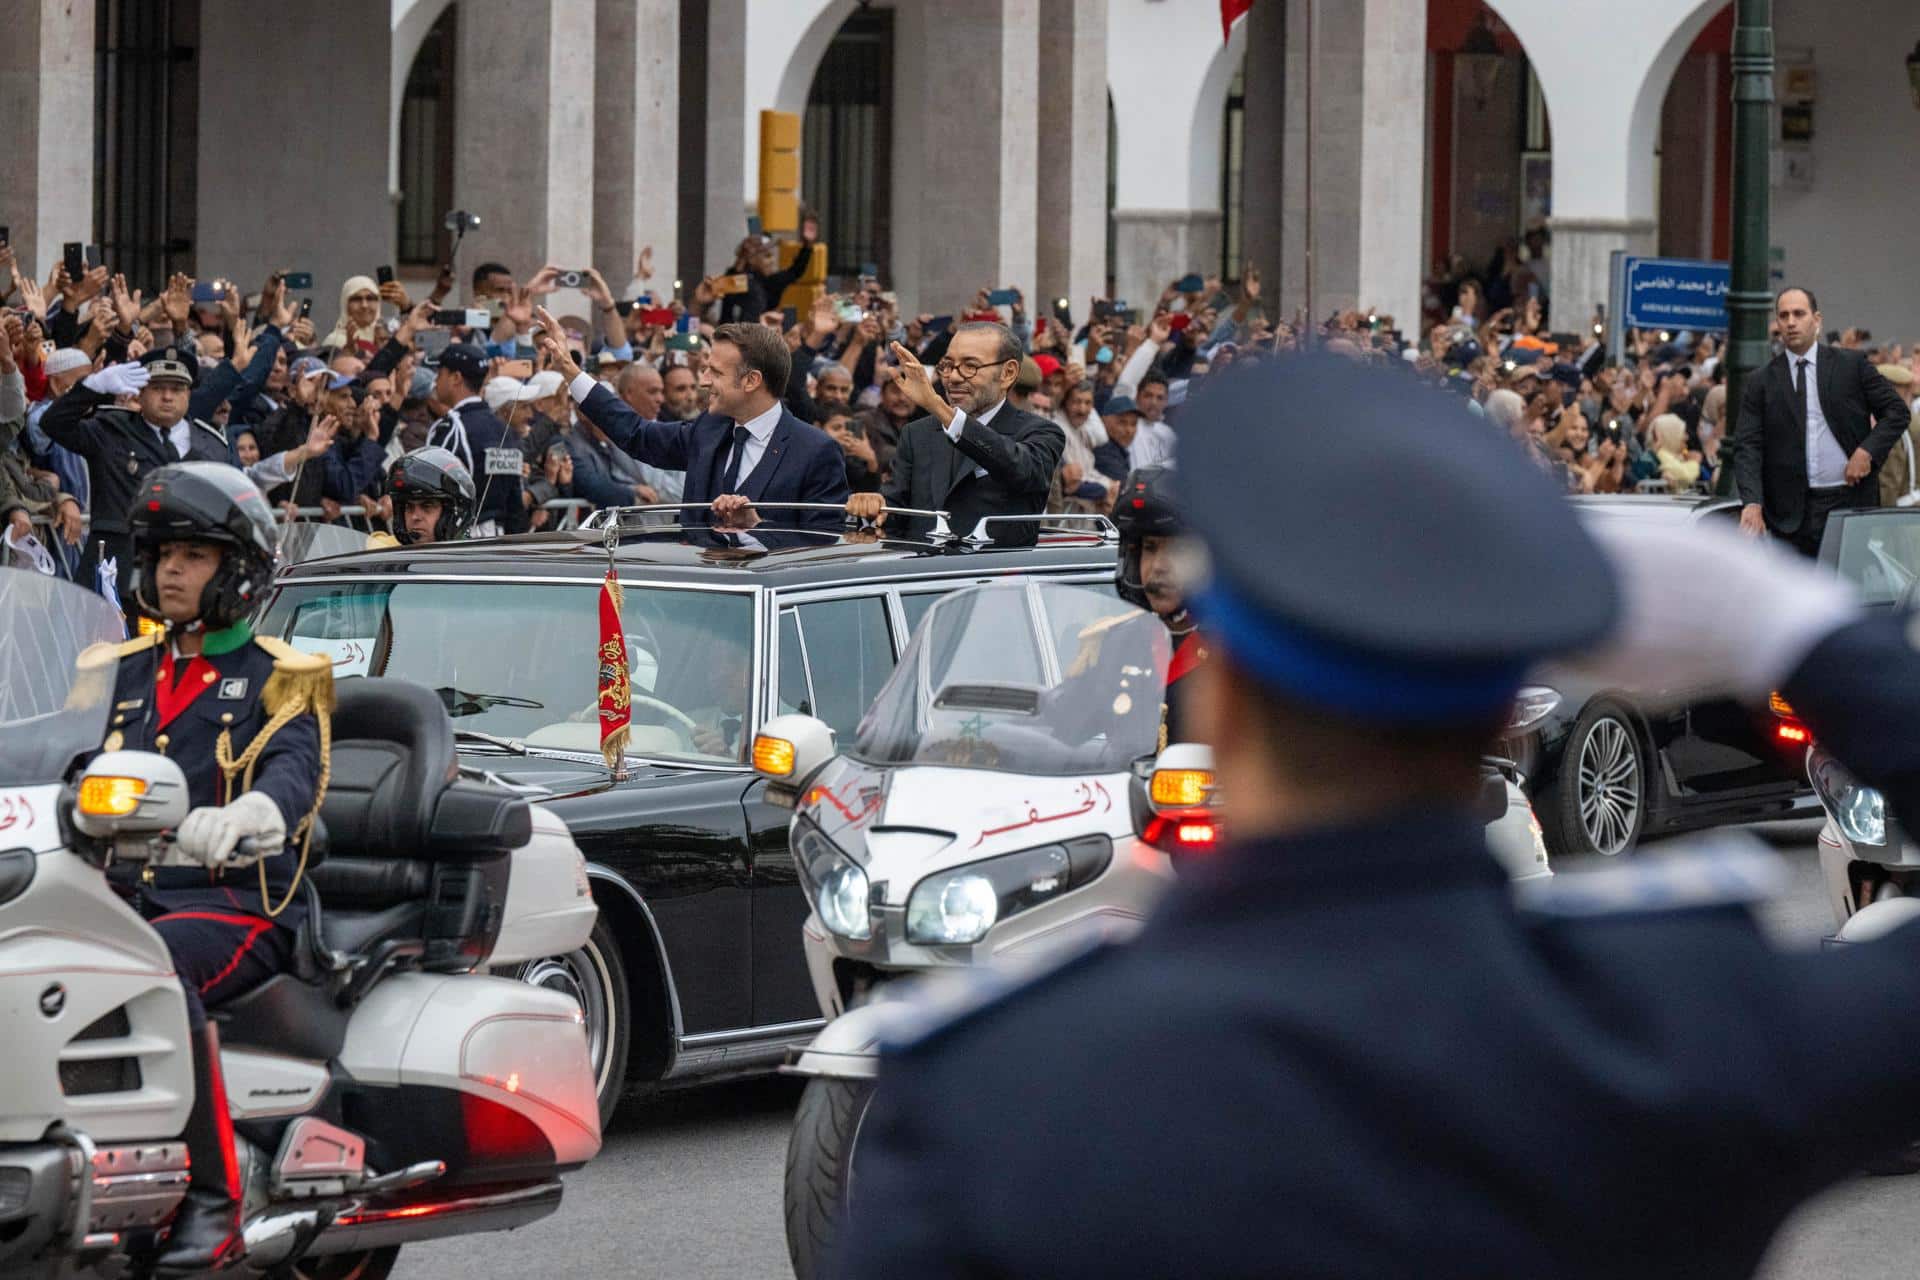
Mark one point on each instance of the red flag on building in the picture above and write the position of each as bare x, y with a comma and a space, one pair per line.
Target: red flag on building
616, 694
1231, 11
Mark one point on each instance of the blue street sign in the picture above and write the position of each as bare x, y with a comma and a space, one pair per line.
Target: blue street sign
1673, 293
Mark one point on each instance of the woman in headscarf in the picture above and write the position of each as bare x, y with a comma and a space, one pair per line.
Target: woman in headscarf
358, 330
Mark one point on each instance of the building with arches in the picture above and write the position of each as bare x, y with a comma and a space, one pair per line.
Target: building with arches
1071, 147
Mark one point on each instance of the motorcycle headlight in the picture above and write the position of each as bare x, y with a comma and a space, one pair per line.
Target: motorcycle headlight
1862, 815
842, 903
960, 906
836, 883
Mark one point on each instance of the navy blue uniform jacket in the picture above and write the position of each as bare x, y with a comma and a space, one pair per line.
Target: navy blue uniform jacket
1349, 1053
288, 770
469, 430
801, 464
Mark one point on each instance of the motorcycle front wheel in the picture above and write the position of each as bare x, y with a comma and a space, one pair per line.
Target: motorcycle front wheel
819, 1184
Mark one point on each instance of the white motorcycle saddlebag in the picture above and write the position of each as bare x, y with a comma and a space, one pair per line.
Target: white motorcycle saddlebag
550, 909
497, 1040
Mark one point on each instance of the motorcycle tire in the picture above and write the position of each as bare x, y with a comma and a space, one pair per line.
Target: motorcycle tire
819, 1169
596, 978
1605, 813
370, 1264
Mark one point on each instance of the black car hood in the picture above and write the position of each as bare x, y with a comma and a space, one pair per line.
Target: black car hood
563, 778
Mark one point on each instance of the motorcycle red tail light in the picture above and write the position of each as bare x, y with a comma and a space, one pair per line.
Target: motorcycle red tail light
1189, 833
1792, 734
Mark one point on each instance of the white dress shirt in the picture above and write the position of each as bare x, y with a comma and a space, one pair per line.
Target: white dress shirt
1826, 460
960, 421
759, 431
1152, 444
179, 435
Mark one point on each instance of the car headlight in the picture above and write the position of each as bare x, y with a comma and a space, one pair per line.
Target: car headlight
1530, 706
959, 906
842, 903
836, 883
1862, 815
1859, 811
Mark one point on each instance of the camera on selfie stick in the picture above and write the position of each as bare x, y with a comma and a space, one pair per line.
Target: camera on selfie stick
459, 221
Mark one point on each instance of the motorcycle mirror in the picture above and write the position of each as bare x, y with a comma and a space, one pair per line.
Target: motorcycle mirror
786, 752
130, 793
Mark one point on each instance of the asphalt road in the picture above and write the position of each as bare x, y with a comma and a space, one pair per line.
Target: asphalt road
689, 1187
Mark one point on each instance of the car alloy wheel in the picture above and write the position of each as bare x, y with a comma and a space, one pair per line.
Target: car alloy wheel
1609, 786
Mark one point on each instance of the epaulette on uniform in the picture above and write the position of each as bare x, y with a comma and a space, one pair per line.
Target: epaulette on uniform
306, 676
105, 651
950, 1006
1722, 870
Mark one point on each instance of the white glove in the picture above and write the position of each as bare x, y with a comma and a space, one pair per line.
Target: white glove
209, 834
118, 379
1709, 609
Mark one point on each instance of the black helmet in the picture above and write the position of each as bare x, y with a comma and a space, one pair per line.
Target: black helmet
432, 473
1145, 508
205, 502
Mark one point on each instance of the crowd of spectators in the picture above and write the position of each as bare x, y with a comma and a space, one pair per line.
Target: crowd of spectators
314, 414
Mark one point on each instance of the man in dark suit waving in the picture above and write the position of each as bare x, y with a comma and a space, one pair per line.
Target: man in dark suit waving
748, 449
972, 454
1814, 427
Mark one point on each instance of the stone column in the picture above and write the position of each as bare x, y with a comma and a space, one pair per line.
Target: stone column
1152, 247
524, 146
976, 201
1369, 170
636, 193
46, 98
730, 135
1072, 176
323, 206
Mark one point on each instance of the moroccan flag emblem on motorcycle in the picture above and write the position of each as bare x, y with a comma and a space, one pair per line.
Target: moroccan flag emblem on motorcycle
615, 693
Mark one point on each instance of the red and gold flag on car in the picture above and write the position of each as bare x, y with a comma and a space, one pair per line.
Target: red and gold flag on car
615, 693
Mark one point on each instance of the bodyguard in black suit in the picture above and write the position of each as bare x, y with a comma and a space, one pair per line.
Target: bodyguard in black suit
1814, 427
972, 454
1340, 1047
748, 449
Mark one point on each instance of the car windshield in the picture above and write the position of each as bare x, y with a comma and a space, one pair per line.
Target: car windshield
521, 660
51, 710
1034, 678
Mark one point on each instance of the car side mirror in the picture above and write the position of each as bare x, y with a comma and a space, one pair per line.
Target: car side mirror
130, 793
787, 751
1182, 780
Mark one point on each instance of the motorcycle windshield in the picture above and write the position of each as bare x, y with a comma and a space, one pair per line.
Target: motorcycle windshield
1023, 677
52, 706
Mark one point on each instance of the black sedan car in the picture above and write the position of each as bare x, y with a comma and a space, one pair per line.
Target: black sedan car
1603, 771
695, 971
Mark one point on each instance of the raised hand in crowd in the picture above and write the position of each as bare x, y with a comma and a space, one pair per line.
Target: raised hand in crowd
126, 305
550, 339
396, 293
177, 302
31, 296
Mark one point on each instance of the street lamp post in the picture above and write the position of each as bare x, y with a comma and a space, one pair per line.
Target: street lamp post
1750, 300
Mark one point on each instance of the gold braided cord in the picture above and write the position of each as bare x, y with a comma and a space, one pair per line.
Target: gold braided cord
292, 704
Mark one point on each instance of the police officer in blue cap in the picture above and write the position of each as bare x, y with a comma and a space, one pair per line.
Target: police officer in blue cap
474, 434
1342, 1049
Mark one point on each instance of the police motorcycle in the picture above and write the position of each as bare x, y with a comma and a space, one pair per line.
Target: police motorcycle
995, 808
384, 1092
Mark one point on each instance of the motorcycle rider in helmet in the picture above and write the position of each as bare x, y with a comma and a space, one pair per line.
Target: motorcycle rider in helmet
433, 498
245, 717
1148, 519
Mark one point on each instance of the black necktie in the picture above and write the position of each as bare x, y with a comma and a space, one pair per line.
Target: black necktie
1800, 383
731, 484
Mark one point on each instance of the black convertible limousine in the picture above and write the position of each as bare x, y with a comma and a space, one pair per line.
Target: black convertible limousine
695, 971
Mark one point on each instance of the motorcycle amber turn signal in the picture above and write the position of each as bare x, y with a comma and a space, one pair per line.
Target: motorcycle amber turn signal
105, 796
